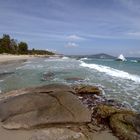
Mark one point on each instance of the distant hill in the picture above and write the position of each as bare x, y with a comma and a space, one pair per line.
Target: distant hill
102, 56
96, 56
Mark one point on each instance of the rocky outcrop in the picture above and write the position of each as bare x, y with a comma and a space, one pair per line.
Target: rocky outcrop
87, 89
124, 123
36, 107
58, 134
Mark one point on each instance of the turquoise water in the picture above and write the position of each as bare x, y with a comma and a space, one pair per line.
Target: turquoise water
119, 80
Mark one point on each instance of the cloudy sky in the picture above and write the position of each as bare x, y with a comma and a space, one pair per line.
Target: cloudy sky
74, 26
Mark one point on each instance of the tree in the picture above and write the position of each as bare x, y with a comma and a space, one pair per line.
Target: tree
8, 45
22, 48
5, 44
14, 46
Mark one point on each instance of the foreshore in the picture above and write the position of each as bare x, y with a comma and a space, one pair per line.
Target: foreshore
52, 111
8, 58
59, 123
5, 59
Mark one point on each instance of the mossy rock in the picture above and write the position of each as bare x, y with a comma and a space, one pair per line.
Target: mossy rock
87, 89
124, 123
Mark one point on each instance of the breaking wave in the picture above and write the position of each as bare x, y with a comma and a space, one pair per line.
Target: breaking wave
112, 72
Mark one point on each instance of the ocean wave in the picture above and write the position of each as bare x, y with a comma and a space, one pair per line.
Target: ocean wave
56, 59
1, 80
64, 57
112, 72
135, 61
85, 58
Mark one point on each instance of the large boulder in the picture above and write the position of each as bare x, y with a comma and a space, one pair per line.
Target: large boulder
58, 134
35, 107
87, 89
124, 123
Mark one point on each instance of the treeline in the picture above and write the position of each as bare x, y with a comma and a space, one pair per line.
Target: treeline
12, 46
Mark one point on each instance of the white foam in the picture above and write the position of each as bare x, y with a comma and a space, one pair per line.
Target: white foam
85, 58
65, 57
112, 72
135, 61
56, 59
1, 80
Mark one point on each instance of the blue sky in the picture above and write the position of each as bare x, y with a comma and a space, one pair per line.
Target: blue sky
74, 26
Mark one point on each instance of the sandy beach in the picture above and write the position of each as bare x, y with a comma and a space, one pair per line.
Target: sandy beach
9, 58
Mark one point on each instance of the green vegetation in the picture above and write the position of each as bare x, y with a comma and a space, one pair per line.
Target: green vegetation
11, 46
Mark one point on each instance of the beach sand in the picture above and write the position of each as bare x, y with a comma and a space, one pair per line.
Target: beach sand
4, 59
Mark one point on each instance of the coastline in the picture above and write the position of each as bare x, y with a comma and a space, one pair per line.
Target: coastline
7, 59
88, 100
76, 130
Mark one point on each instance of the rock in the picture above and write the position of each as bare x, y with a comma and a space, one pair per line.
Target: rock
87, 89
105, 111
4, 74
47, 76
136, 123
124, 123
58, 134
35, 107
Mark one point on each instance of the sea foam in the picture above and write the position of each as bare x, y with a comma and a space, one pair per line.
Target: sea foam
112, 72
135, 61
85, 58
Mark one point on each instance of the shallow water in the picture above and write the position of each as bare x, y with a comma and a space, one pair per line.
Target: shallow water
119, 80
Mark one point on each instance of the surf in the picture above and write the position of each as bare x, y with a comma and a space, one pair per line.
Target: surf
112, 72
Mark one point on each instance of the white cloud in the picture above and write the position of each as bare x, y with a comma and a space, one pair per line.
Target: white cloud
74, 38
134, 33
71, 45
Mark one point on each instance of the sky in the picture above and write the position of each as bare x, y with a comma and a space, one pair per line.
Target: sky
74, 26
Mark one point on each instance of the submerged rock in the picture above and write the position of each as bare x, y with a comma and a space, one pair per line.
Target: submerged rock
6, 74
58, 134
47, 76
36, 107
87, 89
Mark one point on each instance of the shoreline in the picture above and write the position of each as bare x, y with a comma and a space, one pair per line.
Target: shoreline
89, 100
8, 59
87, 130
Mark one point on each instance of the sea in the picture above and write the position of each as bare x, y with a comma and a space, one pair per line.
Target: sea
119, 81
